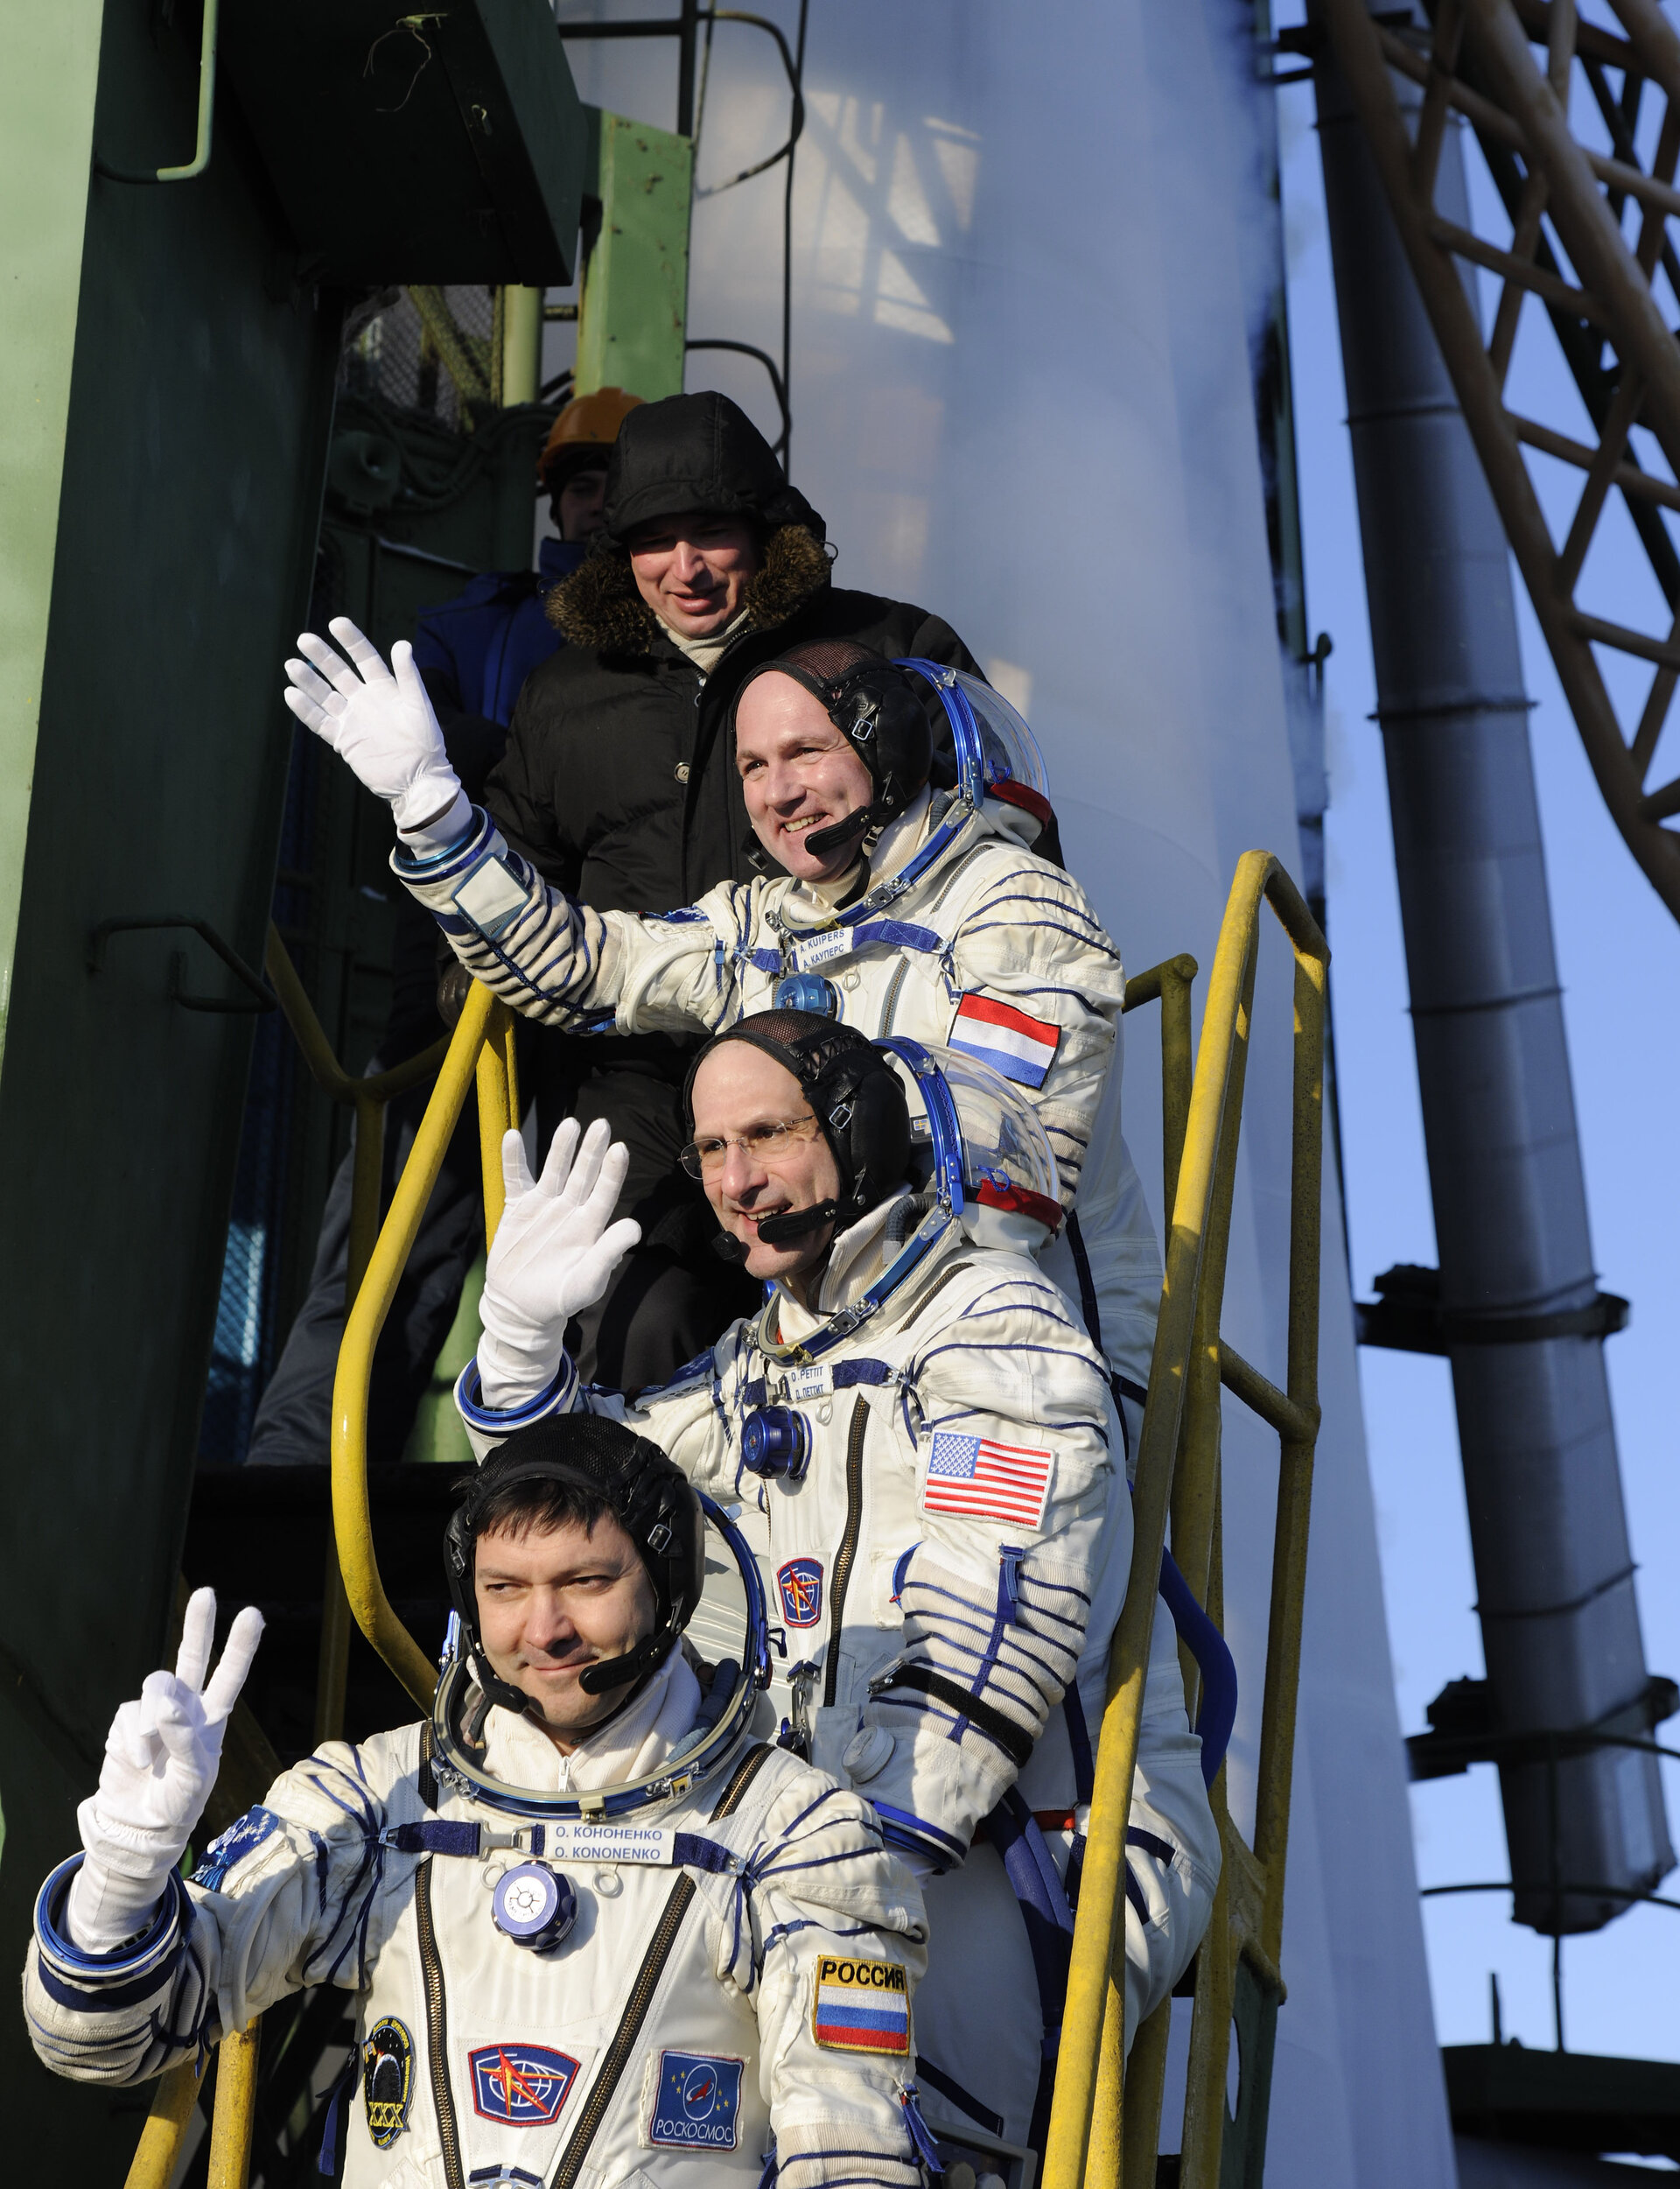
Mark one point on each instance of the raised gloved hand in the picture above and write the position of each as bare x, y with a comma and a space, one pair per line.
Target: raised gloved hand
161, 1758
379, 723
555, 1252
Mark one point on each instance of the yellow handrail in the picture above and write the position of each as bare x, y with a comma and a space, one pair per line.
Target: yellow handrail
153, 2165
485, 1025
236, 2115
1103, 2123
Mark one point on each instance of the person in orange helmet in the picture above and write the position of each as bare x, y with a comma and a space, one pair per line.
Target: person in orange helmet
474, 652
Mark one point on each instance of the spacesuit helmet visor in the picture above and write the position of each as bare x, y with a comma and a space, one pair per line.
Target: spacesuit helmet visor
998, 756
1011, 1190
595, 1455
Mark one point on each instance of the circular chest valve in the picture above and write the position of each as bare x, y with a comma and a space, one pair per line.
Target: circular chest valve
533, 1905
776, 1441
809, 991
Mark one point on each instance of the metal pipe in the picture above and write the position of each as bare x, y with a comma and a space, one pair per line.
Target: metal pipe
200, 158
1560, 1626
521, 344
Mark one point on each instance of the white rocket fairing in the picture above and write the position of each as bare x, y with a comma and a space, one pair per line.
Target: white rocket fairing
1024, 244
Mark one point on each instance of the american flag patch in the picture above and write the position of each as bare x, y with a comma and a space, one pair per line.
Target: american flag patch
861, 2006
994, 1482
1023, 1048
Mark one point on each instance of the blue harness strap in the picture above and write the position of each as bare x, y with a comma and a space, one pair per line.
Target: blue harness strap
445, 1835
846, 1373
335, 2125
898, 935
1206, 1644
1013, 1831
965, 2101
439, 1836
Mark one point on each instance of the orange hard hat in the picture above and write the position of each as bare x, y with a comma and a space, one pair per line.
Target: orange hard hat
587, 421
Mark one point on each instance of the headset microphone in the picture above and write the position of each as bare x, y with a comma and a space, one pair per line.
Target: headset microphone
822, 841
613, 1672
792, 1223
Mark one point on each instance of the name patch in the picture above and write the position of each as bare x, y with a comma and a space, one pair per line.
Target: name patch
697, 2103
524, 2085
861, 2006
801, 1386
585, 1842
388, 2080
812, 950
799, 1583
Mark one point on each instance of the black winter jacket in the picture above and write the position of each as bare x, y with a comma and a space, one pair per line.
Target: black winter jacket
619, 779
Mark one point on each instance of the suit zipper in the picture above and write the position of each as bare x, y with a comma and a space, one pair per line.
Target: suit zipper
846, 1556
885, 1026
642, 1996
431, 1970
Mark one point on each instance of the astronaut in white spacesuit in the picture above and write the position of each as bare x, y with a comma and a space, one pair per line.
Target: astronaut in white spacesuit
600, 1931
898, 897
921, 1433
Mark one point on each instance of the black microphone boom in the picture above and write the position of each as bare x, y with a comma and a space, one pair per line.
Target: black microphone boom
635, 1664
792, 1223
822, 841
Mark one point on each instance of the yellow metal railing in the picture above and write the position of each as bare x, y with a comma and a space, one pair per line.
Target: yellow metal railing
166, 2123
482, 1048
1105, 2119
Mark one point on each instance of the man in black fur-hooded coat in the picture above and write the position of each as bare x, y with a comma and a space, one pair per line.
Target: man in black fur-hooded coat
619, 780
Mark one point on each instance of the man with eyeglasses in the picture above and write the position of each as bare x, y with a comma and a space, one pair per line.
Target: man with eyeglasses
923, 1440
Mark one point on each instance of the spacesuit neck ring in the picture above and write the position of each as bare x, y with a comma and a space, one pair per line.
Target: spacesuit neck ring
715, 1740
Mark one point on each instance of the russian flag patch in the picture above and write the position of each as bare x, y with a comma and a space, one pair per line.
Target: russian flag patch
861, 2006
1023, 1048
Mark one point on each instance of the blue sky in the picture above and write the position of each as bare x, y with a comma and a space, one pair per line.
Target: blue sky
1619, 954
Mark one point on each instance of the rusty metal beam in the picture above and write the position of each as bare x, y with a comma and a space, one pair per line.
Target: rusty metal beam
1534, 123
1590, 233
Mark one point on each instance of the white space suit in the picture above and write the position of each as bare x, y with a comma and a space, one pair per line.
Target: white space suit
990, 950
749, 1984
957, 1548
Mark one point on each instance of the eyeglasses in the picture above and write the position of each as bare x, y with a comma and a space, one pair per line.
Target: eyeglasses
765, 1143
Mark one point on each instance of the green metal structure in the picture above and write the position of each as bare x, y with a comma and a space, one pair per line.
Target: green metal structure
169, 362
633, 318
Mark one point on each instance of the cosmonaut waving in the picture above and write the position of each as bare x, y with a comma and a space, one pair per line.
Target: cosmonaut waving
599, 1931
919, 1434
896, 897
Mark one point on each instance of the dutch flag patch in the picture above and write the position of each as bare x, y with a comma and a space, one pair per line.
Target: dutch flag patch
1023, 1048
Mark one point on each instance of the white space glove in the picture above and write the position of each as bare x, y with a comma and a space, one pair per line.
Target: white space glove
554, 1253
379, 723
161, 1758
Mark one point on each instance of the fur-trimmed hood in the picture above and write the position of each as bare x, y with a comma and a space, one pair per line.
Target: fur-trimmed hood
599, 604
